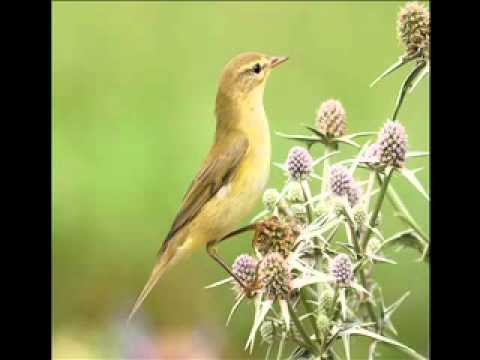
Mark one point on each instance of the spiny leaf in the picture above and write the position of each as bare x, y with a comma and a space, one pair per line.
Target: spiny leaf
400, 346
410, 176
397, 65
419, 77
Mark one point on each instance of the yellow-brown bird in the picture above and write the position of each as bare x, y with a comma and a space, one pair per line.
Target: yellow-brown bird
235, 172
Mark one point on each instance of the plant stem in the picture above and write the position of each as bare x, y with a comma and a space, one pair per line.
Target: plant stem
308, 197
376, 210
300, 328
405, 86
309, 310
323, 190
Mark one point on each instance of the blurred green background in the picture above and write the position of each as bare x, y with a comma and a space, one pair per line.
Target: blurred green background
134, 86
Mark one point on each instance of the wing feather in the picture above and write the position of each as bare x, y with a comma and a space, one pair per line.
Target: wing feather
219, 167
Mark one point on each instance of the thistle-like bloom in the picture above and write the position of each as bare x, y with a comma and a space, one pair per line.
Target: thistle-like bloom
245, 268
392, 144
274, 276
325, 300
359, 216
342, 270
323, 323
414, 28
299, 163
342, 184
294, 193
270, 198
275, 235
331, 118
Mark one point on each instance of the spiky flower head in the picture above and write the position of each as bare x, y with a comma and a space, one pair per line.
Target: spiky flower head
294, 193
342, 270
372, 155
325, 300
414, 28
270, 198
274, 276
299, 163
392, 144
331, 118
276, 235
245, 268
342, 184
323, 323
359, 215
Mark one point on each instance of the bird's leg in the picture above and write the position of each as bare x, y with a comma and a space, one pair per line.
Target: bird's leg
212, 251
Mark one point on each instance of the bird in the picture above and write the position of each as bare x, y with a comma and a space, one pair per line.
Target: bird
234, 173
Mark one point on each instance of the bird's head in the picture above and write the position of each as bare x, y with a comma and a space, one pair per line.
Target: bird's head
244, 77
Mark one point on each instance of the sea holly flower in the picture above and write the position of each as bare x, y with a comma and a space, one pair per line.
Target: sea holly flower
414, 29
331, 119
299, 163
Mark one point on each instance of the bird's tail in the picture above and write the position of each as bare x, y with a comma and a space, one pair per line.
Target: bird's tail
157, 272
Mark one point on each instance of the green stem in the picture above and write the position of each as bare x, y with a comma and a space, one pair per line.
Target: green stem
334, 302
300, 328
370, 309
309, 310
308, 197
376, 210
323, 190
326, 169
405, 86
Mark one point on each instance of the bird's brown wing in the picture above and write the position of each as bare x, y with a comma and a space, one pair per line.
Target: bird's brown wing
220, 165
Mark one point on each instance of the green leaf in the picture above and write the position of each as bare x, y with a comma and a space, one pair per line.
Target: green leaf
362, 133
419, 77
371, 350
410, 176
348, 141
346, 345
397, 65
408, 238
375, 336
303, 138
234, 308
324, 157
413, 154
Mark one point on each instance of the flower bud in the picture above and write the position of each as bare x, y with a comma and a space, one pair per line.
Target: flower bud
413, 27
245, 268
342, 270
271, 198
274, 276
294, 193
331, 118
342, 184
359, 215
323, 323
326, 297
392, 144
276, 235
299, 163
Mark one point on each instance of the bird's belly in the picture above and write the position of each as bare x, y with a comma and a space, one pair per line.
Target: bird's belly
233, 202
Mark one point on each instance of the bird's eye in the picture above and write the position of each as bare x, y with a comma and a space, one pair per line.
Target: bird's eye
257, 68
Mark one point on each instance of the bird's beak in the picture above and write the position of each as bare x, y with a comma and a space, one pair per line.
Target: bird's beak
277, 60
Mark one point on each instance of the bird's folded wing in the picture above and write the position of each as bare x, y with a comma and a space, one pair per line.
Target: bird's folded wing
219, 167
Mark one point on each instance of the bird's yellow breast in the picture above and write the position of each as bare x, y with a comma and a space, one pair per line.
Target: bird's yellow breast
235, 200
